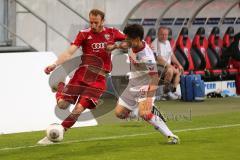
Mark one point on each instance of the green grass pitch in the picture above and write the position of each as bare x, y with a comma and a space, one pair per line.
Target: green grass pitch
208, 130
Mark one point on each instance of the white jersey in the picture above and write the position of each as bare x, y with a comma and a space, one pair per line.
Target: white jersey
163, 49
142, 62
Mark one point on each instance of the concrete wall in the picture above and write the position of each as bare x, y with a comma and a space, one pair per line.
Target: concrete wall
64, 20
27, 103
2, 21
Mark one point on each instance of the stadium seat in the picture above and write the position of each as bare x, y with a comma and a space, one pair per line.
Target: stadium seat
171, 39
234, 48
200, 46
232, 45
232, 64
228, 37
183, 51
198, 51
151, 35
215, 48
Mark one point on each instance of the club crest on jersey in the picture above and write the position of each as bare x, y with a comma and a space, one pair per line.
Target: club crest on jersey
107, 36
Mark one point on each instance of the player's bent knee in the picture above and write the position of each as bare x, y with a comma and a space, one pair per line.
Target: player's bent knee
176, 72
63, 104
121, 114
169, 72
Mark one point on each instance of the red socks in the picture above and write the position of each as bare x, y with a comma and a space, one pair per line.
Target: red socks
70, 121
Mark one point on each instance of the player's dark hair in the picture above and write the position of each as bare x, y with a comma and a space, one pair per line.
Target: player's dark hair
96, 12
134, 31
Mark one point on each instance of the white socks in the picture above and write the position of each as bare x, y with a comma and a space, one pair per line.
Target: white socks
158, 123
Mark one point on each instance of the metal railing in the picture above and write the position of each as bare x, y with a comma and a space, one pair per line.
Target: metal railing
43, 21
6, 27
164, 12
74, 11
226, 13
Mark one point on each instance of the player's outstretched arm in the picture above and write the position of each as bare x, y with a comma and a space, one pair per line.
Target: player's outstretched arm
122, 45
61, 59
111, 47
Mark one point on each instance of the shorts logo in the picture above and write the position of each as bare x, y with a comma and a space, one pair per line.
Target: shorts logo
97, 46
151, 67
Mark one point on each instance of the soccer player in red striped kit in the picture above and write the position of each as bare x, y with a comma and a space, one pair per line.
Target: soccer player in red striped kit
97, 42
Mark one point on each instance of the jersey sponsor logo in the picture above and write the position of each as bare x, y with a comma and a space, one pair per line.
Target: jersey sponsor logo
97, 46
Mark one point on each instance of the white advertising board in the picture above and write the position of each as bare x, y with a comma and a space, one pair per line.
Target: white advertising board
26, 100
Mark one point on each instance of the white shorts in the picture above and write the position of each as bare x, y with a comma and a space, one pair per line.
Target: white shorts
135, 92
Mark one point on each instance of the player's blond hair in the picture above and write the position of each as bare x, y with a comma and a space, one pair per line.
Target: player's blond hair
96, 12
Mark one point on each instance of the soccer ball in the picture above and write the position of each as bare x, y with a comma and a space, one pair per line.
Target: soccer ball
55, 132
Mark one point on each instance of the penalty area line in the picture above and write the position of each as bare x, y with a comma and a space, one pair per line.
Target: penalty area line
120, 136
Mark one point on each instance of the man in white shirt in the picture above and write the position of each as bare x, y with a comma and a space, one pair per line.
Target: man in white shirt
165, 58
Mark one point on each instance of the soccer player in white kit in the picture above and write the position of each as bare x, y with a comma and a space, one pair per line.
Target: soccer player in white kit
143, 82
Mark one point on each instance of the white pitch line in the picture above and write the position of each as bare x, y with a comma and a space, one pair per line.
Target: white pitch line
120, 136
204, 128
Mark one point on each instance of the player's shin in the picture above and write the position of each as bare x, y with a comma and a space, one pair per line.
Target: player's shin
73, 117
70, 121
155, 111
159, 124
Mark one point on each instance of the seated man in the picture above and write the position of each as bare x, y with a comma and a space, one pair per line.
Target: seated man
165, 58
